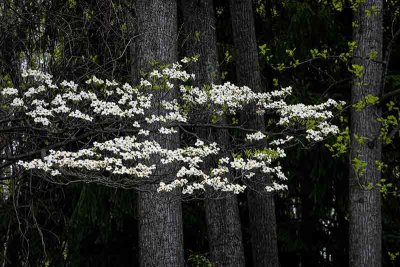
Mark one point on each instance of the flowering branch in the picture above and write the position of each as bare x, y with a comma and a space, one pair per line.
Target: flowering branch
106, 133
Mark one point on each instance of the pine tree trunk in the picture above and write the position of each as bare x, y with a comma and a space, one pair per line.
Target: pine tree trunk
222, 215
224, 233
160, 214
365, 204
200, 39
261, 203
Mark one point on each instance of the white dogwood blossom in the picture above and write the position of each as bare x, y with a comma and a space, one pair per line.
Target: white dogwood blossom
255, 136
9, 91
17, 102
164, 130
126, 127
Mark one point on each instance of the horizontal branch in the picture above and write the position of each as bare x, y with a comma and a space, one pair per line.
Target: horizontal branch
386, 97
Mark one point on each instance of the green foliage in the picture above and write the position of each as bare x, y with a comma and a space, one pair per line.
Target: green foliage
391, 106
388, 124
265, 52
373, 55
215, 118
235, 121
71, 3
342, 144
99, 222
371, 11
224, 75
357, 70
393, 255
266, 153
293, 61
368, 100
359, 166
88, 13
228, 56
280, 67
338, 5
346, 56
370, 186
311, 124
198, 260
290, 52
380, 165
356, 3
275, 82
196, 36
384, 187
237, 155
360, 139
316, 53
260, 9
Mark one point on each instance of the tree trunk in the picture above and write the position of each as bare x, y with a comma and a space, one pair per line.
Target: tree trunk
261, 203
160, 214
200, 39
224, 233
365, 224
222, 215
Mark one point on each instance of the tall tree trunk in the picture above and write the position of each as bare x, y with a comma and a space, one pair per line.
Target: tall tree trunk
200, 36
222, 215
160, 215
261, 203
365, 204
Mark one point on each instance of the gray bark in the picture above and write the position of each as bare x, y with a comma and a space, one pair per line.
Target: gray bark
224, 233
261, 203
160, 214
200, 39
222, 215
365, 224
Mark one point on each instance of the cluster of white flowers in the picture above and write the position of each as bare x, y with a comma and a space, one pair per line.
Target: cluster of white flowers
255, 136
145, 83
78, 114
9, 91
231, 96
33, 91
37, 75
321, 131
136, 156
95, 80
278, 142
186, 60
175, 72
303, 112
164, 130
275, 187
73, 86
17, 102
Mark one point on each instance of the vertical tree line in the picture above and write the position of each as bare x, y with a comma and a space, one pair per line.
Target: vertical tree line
160, 216
222, 213
342, 197
260, 203
365, 224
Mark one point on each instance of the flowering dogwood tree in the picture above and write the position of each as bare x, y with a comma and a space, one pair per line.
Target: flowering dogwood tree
102, 131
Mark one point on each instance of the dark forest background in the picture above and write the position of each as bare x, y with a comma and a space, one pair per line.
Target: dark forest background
91, 225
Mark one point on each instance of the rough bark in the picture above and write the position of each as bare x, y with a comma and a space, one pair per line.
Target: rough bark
365, 224
224, 233
160, 214
222, 215
200, 39
261, 203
